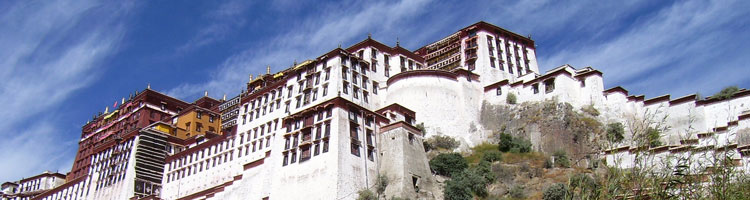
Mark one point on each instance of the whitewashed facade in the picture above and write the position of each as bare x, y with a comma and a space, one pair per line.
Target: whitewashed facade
327, 127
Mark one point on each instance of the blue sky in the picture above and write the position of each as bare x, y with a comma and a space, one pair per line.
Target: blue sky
63, 61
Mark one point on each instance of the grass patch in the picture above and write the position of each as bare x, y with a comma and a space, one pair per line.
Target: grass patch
478, 151
535, 159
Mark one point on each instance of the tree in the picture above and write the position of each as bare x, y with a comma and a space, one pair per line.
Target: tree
492, 156
511, 98
366, 195
615, 132
561, 159
726, 93
555, 192
381, 183
447, 164
443, 142
506, 142
513, 144
653, 135
469, 182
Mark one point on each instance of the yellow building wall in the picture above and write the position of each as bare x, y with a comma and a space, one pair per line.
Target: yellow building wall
185, 131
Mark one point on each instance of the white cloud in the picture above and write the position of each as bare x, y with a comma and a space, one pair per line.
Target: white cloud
224, 20
306, 40
670, 51
50, 50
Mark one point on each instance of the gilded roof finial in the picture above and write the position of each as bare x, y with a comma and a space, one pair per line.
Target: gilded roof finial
251, 78
397, 42
369, 35
339, 45
268, 69
148, 86
224, 98
205, 93
106, 110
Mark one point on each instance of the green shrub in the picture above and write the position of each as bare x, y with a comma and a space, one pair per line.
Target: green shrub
615, 132
510, 98
484, 169
420, 126
513, 144
583, 186
590, 110
548, 163
506, 142
366, 195
555, 192
726, 93
457, 188
492, 156
517, 192
561, 159
470, 182
652, 136
443, 142
447, 164
427, 146
381, 183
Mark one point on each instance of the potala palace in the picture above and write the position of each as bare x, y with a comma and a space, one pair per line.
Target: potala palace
325, 128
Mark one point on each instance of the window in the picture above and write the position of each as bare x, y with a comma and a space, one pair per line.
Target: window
356, 92
317, 149
211, 118
364, 96
353, 115
535, 88
286, 158
354, 131
364, 83
355, 148
549, 85
305, 153
306, 97
328, 73
325, 89
371, 154
325, 146
499, 91
294, 156
374, 87
301, 86
344, 73
299, 101
370, 137
328, 129
286, 110
317, 78
290, 88
346, 88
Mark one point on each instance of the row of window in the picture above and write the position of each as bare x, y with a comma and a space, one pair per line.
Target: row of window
112, 164
292, 144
